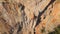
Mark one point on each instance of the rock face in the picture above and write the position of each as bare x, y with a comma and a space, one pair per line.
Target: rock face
29, 16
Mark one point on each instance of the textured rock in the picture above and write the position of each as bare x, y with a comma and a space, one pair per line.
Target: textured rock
29, 16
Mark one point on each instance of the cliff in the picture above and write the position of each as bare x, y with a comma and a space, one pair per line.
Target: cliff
29, 16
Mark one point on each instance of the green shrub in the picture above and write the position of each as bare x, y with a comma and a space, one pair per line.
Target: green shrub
57, 30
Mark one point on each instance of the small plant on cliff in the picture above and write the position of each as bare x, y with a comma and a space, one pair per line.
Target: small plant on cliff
57, 30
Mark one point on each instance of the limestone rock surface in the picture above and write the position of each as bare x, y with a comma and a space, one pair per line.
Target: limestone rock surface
29, 16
